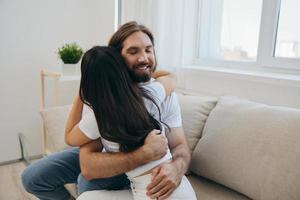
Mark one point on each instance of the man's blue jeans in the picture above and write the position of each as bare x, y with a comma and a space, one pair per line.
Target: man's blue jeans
46, 178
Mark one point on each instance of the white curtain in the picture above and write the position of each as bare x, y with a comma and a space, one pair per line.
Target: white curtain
173, 23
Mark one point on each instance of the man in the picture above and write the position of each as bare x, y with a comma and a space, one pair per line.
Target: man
46, 178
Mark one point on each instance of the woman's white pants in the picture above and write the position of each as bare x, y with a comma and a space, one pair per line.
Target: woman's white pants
138, 185
183, 192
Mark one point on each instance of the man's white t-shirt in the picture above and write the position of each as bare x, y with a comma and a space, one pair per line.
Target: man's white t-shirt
170, 114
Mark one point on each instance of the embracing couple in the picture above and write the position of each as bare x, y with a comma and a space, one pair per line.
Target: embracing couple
127, 124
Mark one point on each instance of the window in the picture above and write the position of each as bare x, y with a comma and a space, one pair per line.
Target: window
288, 32
260, 33
232, 31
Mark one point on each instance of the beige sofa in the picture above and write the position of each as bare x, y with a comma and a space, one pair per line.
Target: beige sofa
247, 150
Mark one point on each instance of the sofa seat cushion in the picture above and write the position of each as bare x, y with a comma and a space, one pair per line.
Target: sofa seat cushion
208, 190
252, 148
72, 188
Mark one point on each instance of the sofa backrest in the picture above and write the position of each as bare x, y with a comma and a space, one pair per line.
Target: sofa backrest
194, 108
252, 148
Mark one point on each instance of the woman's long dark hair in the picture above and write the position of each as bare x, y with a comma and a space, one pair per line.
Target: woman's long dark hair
116, 100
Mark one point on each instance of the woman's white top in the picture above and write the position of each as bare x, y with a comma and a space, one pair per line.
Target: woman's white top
88, 125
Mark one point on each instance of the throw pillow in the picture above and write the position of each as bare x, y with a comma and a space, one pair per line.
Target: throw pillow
194, 110
55, 120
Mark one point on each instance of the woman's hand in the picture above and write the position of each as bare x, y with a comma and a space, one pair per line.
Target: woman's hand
155, 145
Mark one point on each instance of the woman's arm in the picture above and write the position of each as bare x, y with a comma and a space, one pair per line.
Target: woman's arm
160, 73
167, 79
73, 135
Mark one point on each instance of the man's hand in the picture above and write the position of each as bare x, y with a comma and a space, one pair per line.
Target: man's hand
165, 180
167, 177
156, 145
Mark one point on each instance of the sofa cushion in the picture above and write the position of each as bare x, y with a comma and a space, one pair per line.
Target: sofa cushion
252, 148
194, 110
207, 190
55, 119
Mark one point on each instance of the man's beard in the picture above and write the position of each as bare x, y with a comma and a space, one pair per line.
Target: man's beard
139, 78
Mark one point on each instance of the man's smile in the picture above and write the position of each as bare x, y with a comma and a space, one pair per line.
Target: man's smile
142, 68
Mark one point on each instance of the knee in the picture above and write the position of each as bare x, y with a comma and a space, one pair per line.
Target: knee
27, 178
31, 179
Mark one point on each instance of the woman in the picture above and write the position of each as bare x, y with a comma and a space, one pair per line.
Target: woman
121, 113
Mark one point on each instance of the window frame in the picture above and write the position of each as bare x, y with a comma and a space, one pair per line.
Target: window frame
265, 59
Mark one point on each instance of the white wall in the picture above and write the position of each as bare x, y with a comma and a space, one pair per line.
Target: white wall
272, 89
30, 33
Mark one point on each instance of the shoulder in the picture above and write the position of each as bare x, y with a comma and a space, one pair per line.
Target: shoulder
156, 90
88, 123
171, 112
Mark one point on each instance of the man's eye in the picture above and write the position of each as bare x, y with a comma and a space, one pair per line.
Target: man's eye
132, 52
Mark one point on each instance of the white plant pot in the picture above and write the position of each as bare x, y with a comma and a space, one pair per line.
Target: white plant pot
70, 69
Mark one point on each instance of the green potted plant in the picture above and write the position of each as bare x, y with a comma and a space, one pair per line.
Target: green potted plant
70, 54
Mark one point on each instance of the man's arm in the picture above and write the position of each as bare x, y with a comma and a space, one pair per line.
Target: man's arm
95, 164
167, 177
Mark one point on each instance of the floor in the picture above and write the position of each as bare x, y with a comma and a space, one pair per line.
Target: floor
10, 182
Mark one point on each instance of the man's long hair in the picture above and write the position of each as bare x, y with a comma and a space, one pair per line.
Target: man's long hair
125, 31
117, 101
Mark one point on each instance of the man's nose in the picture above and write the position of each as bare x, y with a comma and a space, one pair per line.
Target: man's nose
143, 58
